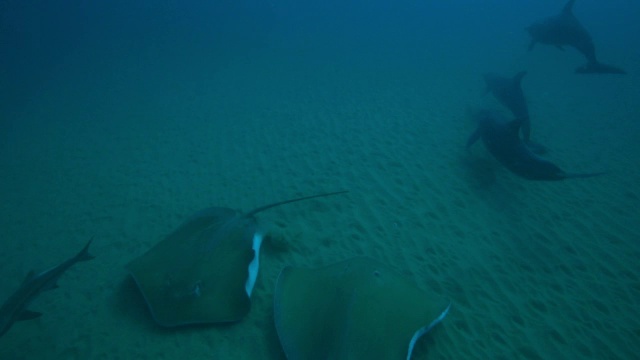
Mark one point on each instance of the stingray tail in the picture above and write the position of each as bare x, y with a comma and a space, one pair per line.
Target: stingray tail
263, 208
596, 67
583, 175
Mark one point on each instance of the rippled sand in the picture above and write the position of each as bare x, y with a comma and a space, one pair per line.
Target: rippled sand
534, 270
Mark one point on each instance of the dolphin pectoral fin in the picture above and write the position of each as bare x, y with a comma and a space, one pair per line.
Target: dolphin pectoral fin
29, 315
536, 148
595, 67
52, 286
518, 77
473, 138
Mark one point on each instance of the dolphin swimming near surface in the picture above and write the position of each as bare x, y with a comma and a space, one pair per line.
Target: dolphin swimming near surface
564, 29
15, 308
500, 137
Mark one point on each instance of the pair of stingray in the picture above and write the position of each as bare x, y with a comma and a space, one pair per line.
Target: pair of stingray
204, 272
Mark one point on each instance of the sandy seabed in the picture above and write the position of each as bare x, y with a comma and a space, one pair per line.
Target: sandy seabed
534, 270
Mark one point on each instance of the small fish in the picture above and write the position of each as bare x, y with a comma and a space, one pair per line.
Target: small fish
15, 308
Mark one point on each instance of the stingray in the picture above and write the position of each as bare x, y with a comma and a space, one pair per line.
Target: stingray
204, 271
355, 309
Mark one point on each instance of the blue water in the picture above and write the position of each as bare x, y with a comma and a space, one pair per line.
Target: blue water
119, 119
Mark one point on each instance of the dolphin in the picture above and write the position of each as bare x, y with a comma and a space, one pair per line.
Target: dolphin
500, 137
508, 91
15, 308
564, 29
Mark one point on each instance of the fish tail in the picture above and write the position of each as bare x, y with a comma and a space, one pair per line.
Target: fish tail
84, 254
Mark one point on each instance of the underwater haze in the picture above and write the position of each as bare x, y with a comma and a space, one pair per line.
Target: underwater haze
120, 119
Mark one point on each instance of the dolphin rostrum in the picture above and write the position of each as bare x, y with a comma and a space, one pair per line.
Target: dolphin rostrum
15, 308
564, 29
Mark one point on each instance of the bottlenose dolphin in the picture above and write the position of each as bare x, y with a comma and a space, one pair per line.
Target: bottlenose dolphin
508, 91
564, 29
500, 137
15, 308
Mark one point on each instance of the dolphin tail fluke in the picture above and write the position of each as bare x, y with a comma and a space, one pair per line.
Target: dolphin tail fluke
595, 67
583, 175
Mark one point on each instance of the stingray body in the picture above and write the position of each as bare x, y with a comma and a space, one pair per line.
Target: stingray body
204, 271
355, 309
564, 29
500, 137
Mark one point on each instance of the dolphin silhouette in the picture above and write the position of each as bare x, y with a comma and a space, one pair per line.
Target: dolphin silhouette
564, 29
508, 91
500, 137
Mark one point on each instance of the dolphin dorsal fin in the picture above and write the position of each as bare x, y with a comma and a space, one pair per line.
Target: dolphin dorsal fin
518, 77
568, 7
29, 277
